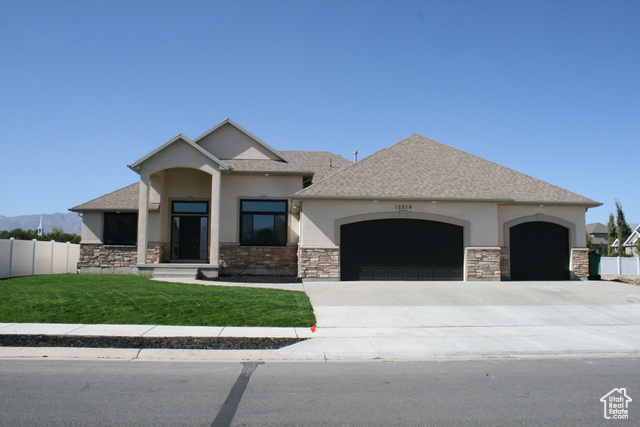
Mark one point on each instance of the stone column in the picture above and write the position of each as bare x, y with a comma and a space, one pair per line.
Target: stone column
143, 215
482, 263
580, 263
214, 219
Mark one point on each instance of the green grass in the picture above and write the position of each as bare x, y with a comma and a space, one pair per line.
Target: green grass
73, 298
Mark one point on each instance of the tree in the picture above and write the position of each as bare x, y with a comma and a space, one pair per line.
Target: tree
612, 233
624, 231
56, 234
590, 243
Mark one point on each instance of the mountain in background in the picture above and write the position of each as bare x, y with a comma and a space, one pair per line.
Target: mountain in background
69, 222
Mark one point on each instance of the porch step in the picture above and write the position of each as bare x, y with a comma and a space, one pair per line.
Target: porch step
175, 273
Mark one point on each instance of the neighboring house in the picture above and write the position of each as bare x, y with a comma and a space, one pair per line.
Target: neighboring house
629, 245
599, 234
228, 203
632, 241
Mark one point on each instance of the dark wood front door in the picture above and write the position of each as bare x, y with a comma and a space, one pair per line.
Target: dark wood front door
189, 238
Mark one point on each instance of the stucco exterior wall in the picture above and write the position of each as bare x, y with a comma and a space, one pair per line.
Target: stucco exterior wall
227, 142
238, 187
568, 216
318, 218
92, 224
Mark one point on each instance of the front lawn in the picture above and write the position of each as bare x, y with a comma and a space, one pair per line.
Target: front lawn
73, 298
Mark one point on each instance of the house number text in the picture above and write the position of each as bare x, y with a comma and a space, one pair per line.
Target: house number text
403, 207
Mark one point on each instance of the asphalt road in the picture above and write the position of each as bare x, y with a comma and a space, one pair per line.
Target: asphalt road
489, 392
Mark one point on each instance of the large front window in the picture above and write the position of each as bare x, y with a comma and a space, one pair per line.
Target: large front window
263, 222
120, 228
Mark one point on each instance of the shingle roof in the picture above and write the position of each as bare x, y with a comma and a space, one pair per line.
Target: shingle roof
596, 227
124, 199
418, 168
320, 164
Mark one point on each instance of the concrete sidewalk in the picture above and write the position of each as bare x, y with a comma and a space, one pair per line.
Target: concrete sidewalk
409, 321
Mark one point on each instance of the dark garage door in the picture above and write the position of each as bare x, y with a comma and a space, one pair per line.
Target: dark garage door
539, 251
401, 249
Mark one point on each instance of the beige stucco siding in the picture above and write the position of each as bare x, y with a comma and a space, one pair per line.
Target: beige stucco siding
179, 154
571, 217
227, 142
92, 223
318, 218
238, 187
486, 221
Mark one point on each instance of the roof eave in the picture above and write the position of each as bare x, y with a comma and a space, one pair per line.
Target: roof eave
503, 201
585, 204
399, 198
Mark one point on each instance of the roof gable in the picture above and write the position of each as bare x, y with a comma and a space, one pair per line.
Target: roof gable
171, 146
228, 140
418, 168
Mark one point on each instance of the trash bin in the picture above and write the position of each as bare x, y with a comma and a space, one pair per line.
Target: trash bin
594, 265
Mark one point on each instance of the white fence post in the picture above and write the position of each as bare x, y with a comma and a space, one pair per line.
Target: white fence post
66, 259
33, 259
53, 245
11, 240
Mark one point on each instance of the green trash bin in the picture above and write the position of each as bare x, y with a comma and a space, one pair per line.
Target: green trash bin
594, 265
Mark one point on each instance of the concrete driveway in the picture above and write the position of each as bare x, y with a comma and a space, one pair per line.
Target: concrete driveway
418, 320
428, 304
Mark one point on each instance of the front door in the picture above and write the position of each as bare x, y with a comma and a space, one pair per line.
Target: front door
189, 231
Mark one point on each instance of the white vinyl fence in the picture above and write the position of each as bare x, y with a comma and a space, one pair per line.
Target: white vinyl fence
31, 257
620, 266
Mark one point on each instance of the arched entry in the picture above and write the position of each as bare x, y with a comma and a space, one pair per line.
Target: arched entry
401, 249
539, 250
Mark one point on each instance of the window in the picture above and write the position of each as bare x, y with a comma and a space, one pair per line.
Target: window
263, 222
120, 228
190, 208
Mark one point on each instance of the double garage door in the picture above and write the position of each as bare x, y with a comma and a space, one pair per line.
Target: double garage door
410, 249
401, 249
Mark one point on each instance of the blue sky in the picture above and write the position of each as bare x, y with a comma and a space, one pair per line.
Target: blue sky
548, 88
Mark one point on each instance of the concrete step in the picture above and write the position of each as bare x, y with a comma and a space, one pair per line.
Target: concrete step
175, 273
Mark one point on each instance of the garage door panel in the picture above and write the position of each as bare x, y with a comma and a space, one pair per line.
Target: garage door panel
539, 251
401, 249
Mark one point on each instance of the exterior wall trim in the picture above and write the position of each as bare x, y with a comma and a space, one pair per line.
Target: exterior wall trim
538, 217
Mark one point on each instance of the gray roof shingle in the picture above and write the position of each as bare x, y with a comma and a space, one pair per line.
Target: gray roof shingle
124, 199
419, 168
320, 164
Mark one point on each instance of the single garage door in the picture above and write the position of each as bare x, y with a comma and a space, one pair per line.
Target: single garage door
401, 249
539, 251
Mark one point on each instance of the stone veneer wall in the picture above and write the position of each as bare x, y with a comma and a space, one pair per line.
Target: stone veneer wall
319, 263
483, 263
264, 260
504, 264
99, 255
580, 263
157, 253
96, 258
